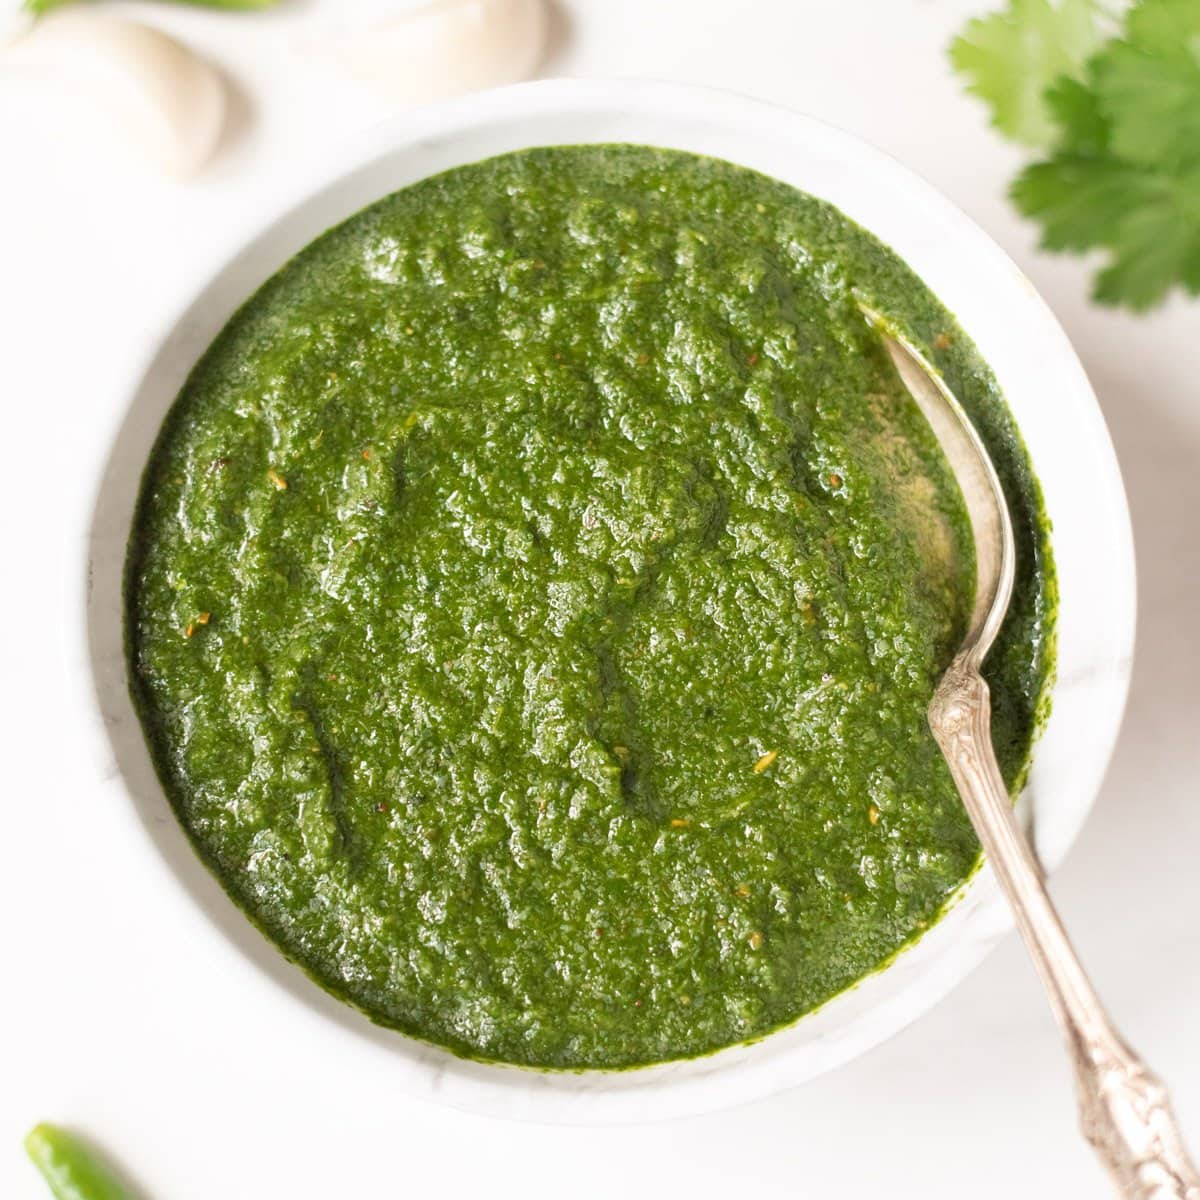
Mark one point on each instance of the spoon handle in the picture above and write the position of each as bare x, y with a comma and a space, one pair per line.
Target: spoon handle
1124, 1110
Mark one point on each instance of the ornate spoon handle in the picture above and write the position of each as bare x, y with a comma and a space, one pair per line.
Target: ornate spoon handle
1124, 1109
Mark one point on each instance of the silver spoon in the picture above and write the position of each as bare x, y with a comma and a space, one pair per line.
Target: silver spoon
1124, 1109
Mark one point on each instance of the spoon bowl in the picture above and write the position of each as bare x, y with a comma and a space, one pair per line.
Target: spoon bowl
991, 525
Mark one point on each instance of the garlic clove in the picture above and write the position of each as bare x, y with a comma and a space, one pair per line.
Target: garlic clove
158, 95
445, 48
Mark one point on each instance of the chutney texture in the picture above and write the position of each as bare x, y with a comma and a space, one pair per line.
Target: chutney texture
535, 596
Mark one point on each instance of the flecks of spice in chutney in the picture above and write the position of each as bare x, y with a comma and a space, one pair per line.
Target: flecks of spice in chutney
582, 573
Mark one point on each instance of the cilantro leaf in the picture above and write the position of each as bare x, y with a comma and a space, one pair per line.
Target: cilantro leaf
1075, 109
1163, 26
1011, 57
1158, 247
1080, 201
1123, 171
1148, 220
1149, 84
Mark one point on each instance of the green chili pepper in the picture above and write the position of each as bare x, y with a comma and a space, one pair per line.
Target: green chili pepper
38, 7
70, 1168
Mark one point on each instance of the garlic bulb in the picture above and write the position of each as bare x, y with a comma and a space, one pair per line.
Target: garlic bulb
445, 48
158, 94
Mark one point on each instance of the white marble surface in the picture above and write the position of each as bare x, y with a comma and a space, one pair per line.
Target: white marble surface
974, 1097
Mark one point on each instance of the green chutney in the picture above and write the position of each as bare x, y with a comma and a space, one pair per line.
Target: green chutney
535, 596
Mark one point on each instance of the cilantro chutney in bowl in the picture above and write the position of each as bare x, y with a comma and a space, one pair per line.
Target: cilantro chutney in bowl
538, 582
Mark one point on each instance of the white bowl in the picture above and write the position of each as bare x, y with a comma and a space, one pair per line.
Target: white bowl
1046, 390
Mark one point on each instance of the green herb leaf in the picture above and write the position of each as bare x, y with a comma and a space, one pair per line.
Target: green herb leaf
1149, 84
1082, 126
1158, 248
1012, 57
1124, 172
1148, 220
1080, 201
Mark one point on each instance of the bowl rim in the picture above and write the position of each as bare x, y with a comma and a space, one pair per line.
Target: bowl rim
739, 1073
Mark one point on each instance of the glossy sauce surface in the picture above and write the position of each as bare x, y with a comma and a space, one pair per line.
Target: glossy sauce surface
535, 597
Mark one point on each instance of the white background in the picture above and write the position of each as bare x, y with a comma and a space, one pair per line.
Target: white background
103, 1027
